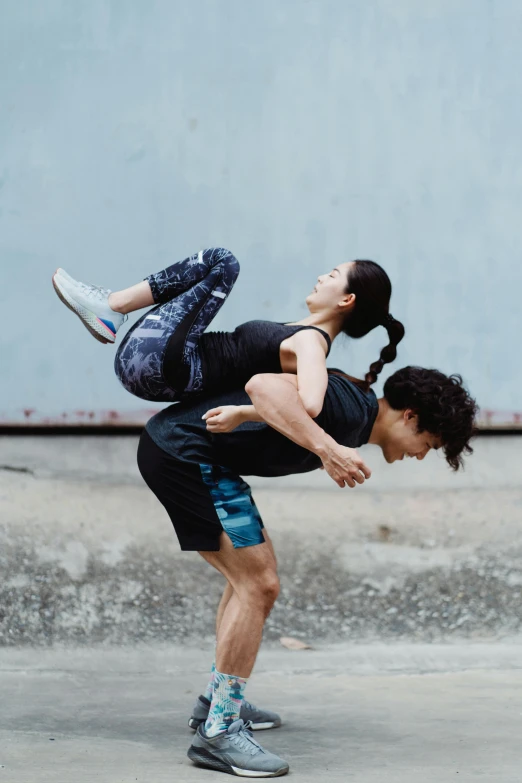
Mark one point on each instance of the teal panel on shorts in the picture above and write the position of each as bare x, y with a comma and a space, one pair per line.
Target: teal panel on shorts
234, 504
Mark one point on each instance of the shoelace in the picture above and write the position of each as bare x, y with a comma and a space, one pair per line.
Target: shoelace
100, 293
94, 290
244, 740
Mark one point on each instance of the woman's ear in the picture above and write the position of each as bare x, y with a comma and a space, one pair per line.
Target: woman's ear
347, 303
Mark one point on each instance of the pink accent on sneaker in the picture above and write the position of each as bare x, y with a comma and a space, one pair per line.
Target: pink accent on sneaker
106, 327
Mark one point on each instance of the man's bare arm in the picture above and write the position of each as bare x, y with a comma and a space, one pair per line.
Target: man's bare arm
276, 399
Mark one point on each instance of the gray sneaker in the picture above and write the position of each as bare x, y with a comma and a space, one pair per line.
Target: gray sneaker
258, 719
91, 305
236, 752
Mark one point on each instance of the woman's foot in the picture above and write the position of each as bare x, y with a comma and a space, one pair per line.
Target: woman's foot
91, 305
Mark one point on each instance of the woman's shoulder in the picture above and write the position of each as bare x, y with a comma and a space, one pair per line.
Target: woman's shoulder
310, 335
259, 324
293, 334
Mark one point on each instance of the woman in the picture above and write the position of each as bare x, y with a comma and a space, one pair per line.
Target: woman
168, 355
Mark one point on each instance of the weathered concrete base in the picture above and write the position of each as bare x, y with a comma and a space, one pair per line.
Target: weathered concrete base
96, 560
394, 713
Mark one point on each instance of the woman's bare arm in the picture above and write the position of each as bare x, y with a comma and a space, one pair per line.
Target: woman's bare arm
312, 376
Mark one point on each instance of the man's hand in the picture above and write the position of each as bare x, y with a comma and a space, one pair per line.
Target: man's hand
276, 399
344, 465
225, 418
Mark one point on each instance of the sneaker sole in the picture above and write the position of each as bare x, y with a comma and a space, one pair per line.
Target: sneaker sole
91, 321
203, 758
195, 722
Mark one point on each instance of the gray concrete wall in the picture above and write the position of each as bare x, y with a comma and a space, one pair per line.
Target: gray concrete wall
298, 134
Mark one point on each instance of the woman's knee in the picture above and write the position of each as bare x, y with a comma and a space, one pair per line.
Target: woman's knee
128, 373
119, 368
226, 259
127, 380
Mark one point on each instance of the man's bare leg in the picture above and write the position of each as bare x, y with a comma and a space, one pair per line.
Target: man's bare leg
261, 719
252, 589
229, 590
225, 598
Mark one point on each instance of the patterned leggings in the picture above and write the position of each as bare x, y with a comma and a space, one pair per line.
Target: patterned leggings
158, 359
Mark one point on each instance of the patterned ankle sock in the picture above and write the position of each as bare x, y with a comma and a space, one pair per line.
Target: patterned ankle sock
210, 687
226, 702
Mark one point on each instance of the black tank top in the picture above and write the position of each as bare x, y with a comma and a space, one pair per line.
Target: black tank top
230, 359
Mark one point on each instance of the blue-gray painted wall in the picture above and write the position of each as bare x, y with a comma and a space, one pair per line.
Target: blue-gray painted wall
298, 133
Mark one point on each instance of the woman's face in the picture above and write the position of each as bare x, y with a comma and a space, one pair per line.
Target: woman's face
329, 291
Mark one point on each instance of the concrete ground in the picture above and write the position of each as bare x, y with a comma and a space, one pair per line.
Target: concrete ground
400, 714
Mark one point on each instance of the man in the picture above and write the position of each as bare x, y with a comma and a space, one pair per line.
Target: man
194, 469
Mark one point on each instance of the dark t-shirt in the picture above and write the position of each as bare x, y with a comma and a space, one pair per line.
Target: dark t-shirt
255, 449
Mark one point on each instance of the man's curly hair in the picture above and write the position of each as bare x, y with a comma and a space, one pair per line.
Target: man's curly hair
444, 407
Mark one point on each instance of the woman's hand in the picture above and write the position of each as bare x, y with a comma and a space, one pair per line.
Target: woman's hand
225, 418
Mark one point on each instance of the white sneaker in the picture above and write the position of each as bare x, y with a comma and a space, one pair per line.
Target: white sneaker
91, 305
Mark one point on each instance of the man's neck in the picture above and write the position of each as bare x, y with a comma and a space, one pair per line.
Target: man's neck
379, 425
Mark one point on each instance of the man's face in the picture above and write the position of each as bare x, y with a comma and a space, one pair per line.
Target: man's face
404, 440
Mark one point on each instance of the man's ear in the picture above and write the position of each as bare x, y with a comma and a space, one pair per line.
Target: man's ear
409, 415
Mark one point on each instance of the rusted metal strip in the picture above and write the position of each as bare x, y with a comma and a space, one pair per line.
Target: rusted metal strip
30, 417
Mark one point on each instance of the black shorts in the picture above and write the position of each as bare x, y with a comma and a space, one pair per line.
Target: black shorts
202, 501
